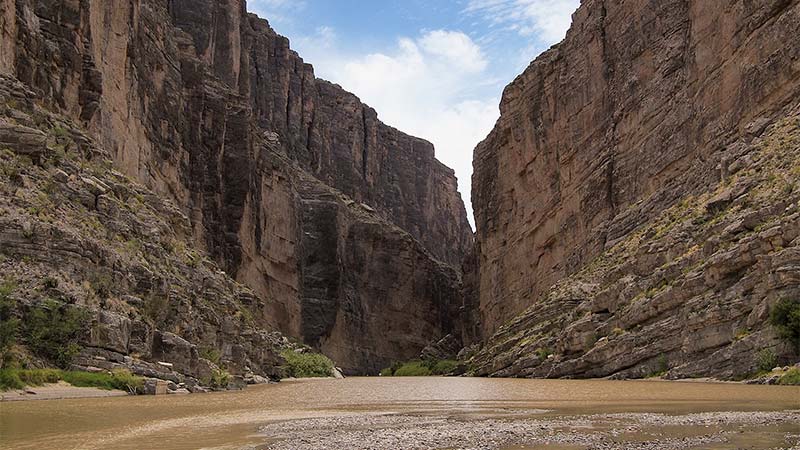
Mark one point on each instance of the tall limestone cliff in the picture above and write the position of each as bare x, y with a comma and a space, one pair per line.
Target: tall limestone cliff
636, 203
345, 228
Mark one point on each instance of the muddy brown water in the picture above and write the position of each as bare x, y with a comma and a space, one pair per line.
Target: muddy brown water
232, 420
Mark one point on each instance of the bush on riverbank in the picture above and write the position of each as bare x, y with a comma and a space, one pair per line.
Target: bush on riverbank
767, 360
412, 369
785, 317
307, 365
791, 377
219, 379
118, 379
53, 331
8, 323
426, 368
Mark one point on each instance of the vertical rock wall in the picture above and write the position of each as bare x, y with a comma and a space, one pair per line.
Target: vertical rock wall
207, 105
621, 120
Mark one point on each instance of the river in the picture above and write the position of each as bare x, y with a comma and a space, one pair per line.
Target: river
418, 413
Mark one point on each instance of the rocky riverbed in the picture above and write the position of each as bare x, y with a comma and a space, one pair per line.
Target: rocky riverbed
601, 431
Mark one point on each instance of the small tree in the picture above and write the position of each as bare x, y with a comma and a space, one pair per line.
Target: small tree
785, 317
767, 360
53, 331
8, 323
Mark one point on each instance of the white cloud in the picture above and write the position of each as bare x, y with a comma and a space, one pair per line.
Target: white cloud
276, 11
548, 20
454, 47
324, 38
430, 86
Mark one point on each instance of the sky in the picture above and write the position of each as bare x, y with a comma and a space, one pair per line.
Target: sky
432, 68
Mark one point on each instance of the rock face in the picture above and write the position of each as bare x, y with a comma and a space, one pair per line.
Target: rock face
596, 256
345, 227
77, 233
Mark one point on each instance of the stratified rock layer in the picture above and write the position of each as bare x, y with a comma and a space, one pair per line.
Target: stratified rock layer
75, 233
207, 105
643, 106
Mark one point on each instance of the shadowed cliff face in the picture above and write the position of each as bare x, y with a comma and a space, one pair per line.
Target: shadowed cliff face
644, 105
207, 105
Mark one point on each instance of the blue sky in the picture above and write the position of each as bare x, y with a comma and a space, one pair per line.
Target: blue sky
432, 68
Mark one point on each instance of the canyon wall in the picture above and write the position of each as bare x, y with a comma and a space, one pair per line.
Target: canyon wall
646, 106
345, 227
97, 272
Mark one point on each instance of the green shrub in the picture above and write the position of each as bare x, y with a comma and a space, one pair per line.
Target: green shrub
444, 367
60, 131
219, 379
9, 325
767, 360
307, 365
389, 371
424, 368
9, 379
154, 307
785, 317
663, 363
741, 334
39, 377
791, 377
211, 354
124, 380
413, 369
50, 283
102, 285
118, 379
662, 367
53, 331
543, 353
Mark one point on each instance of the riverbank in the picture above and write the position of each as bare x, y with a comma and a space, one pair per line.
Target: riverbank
58, 391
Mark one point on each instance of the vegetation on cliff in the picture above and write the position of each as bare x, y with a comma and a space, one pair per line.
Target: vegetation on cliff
51, 330
785, 317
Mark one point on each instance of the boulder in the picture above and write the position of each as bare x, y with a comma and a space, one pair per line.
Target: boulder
169, 348
111, 331
23, 140
155, 387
